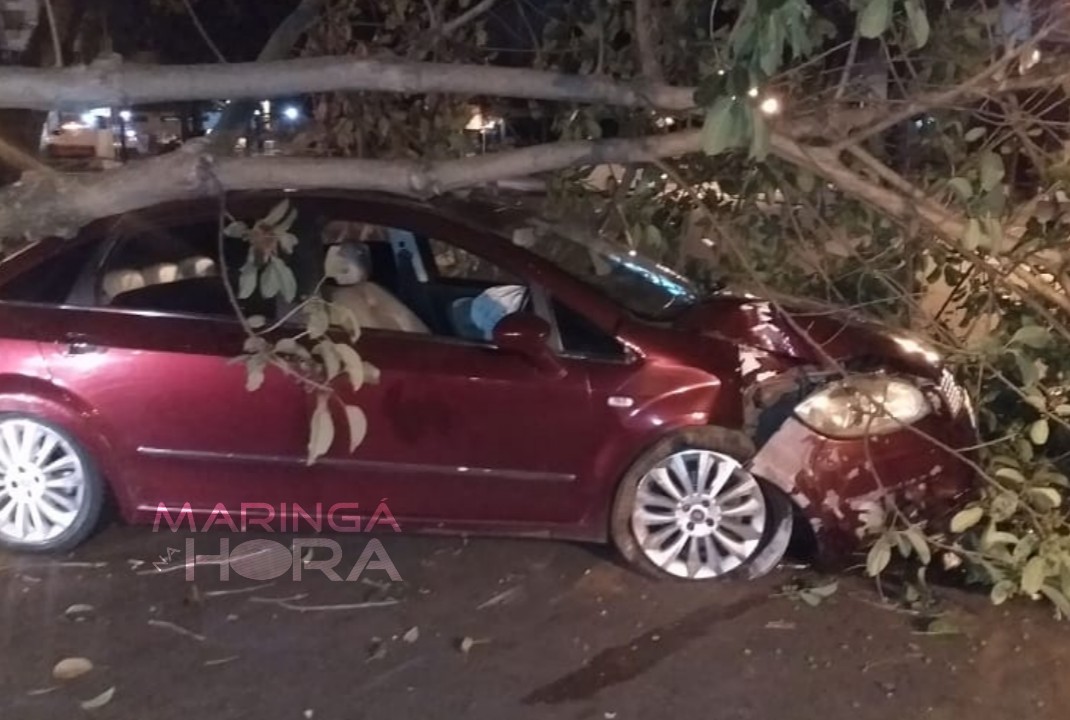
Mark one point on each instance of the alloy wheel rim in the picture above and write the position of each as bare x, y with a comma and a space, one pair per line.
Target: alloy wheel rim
698, 514
42, 482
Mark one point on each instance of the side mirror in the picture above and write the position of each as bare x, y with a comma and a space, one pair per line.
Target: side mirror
526, 334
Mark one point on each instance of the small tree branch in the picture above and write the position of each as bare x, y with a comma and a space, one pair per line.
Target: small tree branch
645, 33
203, 32
451, 26
60, 204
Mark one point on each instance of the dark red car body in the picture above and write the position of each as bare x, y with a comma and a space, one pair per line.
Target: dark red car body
462, 436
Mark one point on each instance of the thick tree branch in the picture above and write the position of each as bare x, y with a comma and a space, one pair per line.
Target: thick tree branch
60, 204
112, 85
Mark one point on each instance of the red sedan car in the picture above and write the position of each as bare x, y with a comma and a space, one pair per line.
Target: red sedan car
610, 402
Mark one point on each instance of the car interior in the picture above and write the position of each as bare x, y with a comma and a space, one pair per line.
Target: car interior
390, 279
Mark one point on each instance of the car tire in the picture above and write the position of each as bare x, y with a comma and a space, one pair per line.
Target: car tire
51, 494
723, 522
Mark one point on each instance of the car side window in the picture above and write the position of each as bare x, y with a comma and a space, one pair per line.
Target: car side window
175, 270
452, 262
50, 281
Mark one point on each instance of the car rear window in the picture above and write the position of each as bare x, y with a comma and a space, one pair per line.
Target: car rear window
51, 280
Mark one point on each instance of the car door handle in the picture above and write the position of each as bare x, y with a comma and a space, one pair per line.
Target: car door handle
78, 344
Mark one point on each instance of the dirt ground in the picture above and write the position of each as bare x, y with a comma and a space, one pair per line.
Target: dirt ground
554, 630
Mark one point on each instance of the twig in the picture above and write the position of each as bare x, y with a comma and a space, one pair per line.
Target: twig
56, 46
451, 26
646, 29
286, 604
851, 52
239, 591
167, 625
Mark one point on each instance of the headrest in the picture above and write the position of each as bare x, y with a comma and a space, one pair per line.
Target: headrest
160, 273
120, 281
197, 266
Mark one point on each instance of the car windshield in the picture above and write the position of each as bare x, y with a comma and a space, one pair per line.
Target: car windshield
642, 286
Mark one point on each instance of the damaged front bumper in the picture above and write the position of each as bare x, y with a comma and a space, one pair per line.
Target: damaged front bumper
834, 481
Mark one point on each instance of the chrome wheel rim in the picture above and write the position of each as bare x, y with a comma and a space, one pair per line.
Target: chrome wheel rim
42, 482
698, 514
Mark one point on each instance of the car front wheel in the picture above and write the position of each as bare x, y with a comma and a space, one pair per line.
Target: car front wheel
689, 509
50, 494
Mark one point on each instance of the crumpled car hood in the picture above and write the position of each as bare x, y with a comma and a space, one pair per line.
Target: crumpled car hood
805, 336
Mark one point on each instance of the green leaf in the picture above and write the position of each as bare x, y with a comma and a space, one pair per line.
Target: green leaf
332, 361
920, 544
358, 426
270, 283
918, 21
991, 170
1033, 575
1003, 506
1001, 591
277, 213
1062, 410
771, 43
247, 280
973, 238
759, 142
878, 557
353, 364
975, 134
1033, 336
318, 320
1044, 498
254, 372
1058, 599
875, 18
321, 433
1038, 431
721, 129
236, 229
287, 281
966, 519
805, 181
711, 88
962, 187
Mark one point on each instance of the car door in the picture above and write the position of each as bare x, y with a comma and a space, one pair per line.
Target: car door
459, 430
152, 363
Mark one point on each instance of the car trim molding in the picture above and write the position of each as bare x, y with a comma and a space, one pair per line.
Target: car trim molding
398, 467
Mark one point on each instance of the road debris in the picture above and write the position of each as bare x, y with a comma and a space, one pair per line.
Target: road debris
288, 604
502, 598
79, 612
100, 700
411, 635
71, 667
167, 625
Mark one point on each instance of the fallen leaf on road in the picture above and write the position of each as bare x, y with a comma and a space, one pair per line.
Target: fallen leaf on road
72, 667
100, 700
177, 628
466, 643
79, 611
411, 635
501, 598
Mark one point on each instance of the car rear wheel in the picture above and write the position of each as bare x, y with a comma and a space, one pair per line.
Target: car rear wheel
689, 509
50, 494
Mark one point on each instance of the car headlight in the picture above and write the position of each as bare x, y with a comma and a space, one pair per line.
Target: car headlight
863, 405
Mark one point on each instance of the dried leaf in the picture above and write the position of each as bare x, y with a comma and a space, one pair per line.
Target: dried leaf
358, 426
966, 519
411, 635
353, 364
100, 700
72, 667
321, 434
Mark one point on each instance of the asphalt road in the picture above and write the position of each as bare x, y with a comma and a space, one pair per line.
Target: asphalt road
554, 630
